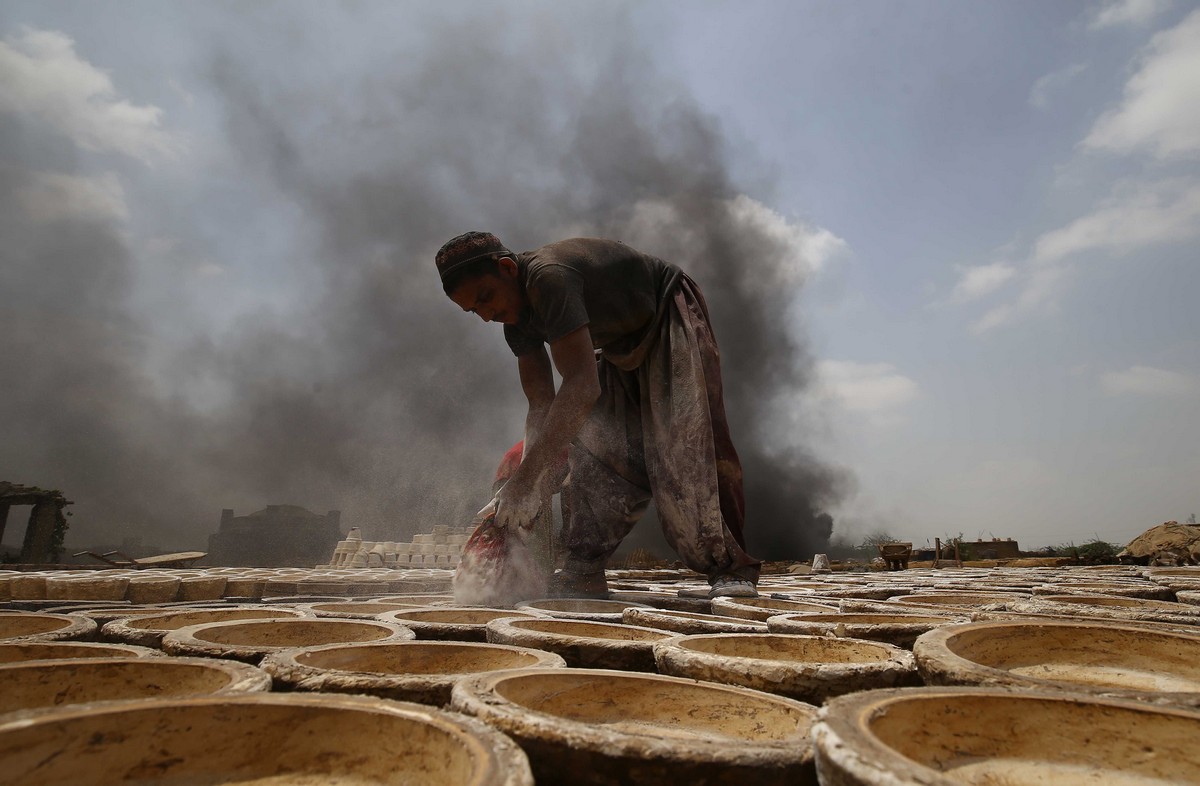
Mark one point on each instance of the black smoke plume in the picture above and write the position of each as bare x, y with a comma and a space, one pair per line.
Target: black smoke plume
371, 392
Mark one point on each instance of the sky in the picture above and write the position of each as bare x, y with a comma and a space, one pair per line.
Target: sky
951, 249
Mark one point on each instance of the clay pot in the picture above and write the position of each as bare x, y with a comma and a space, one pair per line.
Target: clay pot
661, 600
260, 738
1122, 603
898, 629
585, 726
966, 600
148, 630
86, 587
1141, 589
761, 608
1050, 604
57, 650
152, 589
356, 610
582, 644
954, 736
452, 623
106, 614
420, 671
42, 685
889, 608
1107, 660
20, 627
250, 640
580, 609
421, 600
27, 587
245, 588
808, 668
864, 593
202, 588
686, 622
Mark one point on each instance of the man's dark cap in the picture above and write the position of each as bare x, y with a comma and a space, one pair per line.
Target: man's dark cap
468, 248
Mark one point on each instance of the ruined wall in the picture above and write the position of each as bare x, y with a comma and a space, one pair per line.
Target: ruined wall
276, 536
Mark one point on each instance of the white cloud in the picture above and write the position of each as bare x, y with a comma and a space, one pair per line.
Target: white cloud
50, 196
1166, 211
809, 248
42, 77
1160, 109
1115, 13
1148, 381
877, 390
1039, 94
794, 249
980, 280
1135, 216
1041, 287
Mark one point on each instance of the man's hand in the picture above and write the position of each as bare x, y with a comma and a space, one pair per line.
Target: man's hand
517, 506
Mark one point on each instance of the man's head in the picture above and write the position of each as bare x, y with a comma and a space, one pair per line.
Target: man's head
480, 275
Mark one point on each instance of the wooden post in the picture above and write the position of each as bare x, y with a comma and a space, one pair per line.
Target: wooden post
937, 551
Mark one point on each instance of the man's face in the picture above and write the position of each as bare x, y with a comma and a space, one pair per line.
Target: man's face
493, 298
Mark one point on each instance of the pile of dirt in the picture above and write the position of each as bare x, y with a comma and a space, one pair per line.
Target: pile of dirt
1170, 543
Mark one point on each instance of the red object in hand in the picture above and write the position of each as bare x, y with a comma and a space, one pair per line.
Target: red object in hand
497, 568
487, 542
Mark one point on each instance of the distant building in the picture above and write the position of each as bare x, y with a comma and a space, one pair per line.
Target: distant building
277, 536
47, 524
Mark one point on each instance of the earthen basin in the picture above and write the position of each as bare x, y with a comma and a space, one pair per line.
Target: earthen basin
762, 608
422, 600
97, 587
1108, 660
452, 623
599, 645
18, 627
1047, 604
357, 610
955, 736
808, 668
580, 609
969, 600
687, 622
250, 640
1123, 603
259, 739
662, 600
105, 614
863, 592
1143, 589
420, 671
44, 685
148, 630
57, 650
898, 629
592, 726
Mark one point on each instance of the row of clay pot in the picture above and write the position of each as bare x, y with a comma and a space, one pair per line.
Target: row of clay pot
550, 717
165, 586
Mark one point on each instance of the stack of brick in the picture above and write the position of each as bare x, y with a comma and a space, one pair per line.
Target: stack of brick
441, 548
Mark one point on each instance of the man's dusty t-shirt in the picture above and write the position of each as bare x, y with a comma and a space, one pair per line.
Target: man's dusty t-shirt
604, 284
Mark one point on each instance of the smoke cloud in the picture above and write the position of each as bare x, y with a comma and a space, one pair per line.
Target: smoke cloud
260, 321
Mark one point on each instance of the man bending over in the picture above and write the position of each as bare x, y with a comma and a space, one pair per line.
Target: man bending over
640, 404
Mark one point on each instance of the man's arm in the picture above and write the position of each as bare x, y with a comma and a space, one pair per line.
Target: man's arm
537, 381
524, 494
